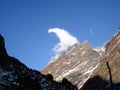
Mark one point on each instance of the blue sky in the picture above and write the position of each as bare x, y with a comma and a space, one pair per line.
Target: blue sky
25, 25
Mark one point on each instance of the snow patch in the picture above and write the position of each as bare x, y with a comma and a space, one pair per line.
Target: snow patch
100, 50
83, 53
72, 70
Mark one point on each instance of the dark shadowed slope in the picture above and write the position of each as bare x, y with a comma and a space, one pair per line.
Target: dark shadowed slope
98, 83
14, 75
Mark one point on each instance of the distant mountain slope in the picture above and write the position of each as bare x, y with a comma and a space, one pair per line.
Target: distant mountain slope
112, 56
110, 60
14, 75
76, 64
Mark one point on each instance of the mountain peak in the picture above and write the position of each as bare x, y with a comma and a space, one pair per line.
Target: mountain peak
3, 52
78, 61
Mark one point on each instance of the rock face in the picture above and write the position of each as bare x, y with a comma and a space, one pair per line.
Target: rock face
107, 75
14, 75
76, 64
112, 55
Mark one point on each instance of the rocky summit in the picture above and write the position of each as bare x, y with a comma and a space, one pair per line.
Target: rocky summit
14, 75
89, 68
76, 64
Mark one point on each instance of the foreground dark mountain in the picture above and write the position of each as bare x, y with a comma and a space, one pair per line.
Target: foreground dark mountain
107, 74
76, 64
14, 75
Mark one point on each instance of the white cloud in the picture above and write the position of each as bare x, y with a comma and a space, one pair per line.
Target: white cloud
66, 39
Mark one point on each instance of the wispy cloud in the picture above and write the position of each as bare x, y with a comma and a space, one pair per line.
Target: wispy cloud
65, 39
91, 32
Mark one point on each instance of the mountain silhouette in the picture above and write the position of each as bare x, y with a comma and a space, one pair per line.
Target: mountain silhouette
14, 75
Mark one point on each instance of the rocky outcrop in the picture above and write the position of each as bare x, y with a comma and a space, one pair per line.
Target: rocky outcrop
108, 69
112, 55
14, 75
76, 64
